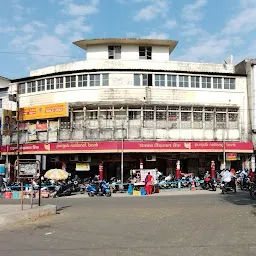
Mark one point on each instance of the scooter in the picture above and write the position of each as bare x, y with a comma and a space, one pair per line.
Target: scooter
101, 189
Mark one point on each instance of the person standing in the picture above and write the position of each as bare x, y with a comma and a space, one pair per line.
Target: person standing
149, 183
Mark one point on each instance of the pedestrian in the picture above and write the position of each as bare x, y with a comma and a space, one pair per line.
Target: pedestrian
149, 183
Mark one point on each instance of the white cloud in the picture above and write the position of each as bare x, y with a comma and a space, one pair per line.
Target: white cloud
131, 34
32, 27
170, 24
210, 49
192, 12
157, 35
7, 29
74, 25
71, 8
191, 30
243, 22
153, 10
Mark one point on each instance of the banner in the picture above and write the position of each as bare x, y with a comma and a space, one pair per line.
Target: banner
41, 127
131, 147
82, 167
32, 136
44, 111
6, 122
53, 131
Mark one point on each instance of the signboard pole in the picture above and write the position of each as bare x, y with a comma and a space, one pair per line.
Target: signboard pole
22, 196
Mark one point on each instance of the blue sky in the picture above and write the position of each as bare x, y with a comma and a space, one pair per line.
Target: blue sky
207, 30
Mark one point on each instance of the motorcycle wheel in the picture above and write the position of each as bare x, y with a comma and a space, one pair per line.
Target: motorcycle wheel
90, 194
253, 194
108, 194
214, 188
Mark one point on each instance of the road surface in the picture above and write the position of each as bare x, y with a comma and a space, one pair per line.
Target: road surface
182, 225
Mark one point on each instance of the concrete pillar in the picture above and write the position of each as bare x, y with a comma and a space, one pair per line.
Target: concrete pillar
212, 169
101, 171
178, 169
253, 163
141, 164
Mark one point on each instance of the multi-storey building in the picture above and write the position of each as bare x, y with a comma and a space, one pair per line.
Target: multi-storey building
129, 99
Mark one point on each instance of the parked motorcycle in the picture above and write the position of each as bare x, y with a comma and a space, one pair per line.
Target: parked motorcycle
209, 184
64, 189
98, 189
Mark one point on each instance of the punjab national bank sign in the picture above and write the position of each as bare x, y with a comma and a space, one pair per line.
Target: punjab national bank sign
129, 147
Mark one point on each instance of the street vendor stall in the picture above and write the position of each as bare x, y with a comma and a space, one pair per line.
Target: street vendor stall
138, 179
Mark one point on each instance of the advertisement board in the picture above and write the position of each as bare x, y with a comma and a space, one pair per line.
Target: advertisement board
44, 111
7, 122
28, 169
80, 167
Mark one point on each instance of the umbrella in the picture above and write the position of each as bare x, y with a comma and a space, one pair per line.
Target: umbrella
56, 174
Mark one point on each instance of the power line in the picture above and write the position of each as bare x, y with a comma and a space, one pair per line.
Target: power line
43, 55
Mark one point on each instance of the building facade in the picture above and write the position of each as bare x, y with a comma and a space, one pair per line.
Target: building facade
129, 99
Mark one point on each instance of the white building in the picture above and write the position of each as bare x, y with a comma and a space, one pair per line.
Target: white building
129, 90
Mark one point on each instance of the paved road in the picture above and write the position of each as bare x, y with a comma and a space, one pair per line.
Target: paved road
176, 225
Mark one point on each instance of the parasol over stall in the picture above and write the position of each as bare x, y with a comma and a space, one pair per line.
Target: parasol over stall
56, 174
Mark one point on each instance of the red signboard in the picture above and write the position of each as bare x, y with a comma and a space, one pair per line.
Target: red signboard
130, 146
231, 156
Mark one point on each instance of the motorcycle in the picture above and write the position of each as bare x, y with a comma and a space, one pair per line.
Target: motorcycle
245, 183
98, 189
209, 184
228, 186
63, 190
253, 191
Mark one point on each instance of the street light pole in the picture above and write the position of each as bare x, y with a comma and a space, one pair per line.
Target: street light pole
122, 153
224, 150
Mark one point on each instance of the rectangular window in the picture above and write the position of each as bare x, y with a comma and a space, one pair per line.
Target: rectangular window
206, 82
1, 103
183, 81
31, 87
136, 79
147, 79
230, 83
195, 82
22, 88
159, 80
105, 79
70, 81
40, 85
221, 120
217, 83
50, 84
171, 80
95, 80
114, 52
59, 83
82, 81
145, 52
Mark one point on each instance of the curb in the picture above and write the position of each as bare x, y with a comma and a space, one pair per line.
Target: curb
30, 214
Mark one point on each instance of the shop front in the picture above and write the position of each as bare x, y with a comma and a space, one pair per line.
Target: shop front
104, 157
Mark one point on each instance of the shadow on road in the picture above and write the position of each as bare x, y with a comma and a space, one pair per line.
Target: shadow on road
240, 198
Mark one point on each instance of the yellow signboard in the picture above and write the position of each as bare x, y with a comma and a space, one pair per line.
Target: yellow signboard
44, 112
82, 167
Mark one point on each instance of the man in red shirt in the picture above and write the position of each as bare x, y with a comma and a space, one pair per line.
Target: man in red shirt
149, 183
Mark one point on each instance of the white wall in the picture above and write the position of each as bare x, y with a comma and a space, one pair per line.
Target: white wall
4, 82
135, 64
97, 52
160, 53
